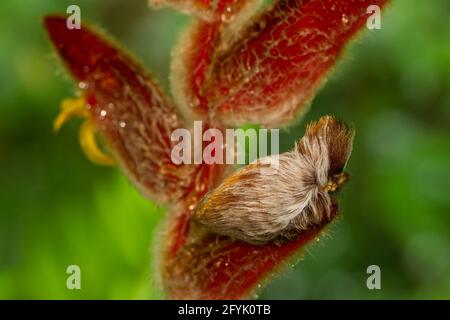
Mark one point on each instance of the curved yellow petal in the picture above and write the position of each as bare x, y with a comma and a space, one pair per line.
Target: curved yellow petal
89, 145
70, 108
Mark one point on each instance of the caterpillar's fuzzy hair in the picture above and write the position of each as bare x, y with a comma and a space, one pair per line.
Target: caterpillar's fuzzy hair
263, 202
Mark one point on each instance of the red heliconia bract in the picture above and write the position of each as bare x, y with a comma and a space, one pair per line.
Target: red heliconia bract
269, 71
208, 266
130, 110
233, 66
274, 67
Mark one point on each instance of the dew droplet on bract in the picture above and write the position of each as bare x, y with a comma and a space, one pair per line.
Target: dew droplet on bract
228, 14
345, 19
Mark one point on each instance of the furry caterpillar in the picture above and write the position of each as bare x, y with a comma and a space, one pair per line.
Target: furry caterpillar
261, 203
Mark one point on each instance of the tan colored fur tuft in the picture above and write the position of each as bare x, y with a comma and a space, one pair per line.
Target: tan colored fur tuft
263, 202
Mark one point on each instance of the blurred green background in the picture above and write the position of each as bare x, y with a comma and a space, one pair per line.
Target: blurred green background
58, 209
